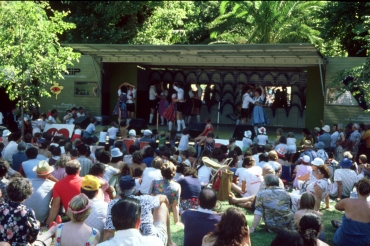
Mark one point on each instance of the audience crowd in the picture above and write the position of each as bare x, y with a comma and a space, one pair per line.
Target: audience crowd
120, 188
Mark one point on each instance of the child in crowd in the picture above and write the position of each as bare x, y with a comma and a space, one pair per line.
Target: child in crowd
162, 139
210, 142
138, 173
90, 129
279, 133
203, 136
232, 143
185, 157
321, 153
173, 137
262, 137
301, 170
123, 129
112, 133
184, 141
292, 146
98, 170
103, 137
247, 142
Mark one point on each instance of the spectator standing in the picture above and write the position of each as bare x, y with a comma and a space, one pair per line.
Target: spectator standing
325, 137
355, 139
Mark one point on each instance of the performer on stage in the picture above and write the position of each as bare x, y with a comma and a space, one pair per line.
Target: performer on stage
178, 86
163, 103
196, 96
247, 102
259, 117
209, 96
169, 113
130, 103
153, 100
121, 109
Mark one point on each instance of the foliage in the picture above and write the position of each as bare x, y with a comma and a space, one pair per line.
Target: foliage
266, 22
343, 22
30, 54
107, 22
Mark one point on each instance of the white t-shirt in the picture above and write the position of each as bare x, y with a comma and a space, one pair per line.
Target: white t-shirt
131, 94
180, 93
348, 178
109, 172
102, 137
112, 132
152, 93
204, 174
256, 158
262, 139
52, 119
79, 114
184, 142
246, 100
275, 165
149, 174
247, 142
253, 178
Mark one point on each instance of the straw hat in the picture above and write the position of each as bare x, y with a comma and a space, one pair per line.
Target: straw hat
307, 144
43, 168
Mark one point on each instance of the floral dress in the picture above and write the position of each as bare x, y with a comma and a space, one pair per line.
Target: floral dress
89, 242
121, 105
18, 225
166, 187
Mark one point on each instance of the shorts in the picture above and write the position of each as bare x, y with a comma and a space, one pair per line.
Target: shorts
197, 103
161, 231
153, 103
180, 106
130, 107
244, 113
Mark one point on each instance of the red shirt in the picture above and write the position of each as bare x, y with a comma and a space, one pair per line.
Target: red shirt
67, 188
209, 129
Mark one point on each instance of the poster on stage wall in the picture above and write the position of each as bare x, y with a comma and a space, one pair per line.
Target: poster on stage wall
60, 129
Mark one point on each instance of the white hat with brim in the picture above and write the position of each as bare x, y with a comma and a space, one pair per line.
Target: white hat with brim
326, 128
43, 168
116, 152
6, 133
317, 162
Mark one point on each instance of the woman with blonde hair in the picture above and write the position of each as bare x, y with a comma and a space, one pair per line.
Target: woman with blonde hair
224, 235
59, 167
79, 209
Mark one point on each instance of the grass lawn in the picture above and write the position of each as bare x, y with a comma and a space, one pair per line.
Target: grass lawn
261, 237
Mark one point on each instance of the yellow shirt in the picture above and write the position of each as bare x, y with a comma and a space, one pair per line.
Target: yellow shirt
366, 137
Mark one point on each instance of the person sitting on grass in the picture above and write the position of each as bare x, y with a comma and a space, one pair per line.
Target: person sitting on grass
287, 237
309, 228
239, 235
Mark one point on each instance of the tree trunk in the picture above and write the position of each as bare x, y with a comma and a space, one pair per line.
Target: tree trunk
22, 114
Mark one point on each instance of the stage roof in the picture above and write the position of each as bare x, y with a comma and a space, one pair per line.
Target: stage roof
220, 55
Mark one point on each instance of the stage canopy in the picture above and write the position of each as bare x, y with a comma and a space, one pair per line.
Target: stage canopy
216, 55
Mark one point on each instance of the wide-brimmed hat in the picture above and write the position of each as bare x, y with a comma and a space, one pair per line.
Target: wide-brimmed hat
317, 162
6, 133
248, 134
132, 132
43, 168
320, 145
307, 144
262, 130
147, 132
305, 159
346, 163
326, 128
116, 152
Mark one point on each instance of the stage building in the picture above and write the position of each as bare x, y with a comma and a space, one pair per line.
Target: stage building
297, 79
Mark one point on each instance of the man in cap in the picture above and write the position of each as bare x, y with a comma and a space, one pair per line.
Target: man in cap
325, 137
5, 136
344, 180
307, 150
147, 136
65, 189
149, 226
90, 186
40, 199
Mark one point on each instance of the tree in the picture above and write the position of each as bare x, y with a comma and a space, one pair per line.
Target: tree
30, 54
105, 22
266, 22
342, 22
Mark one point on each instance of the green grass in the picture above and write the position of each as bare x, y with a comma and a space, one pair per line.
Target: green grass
261, 237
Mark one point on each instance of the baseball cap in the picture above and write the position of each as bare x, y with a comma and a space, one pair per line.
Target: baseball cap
126, 182
90, 182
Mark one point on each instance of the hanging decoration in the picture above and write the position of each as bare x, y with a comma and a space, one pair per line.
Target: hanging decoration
56, 89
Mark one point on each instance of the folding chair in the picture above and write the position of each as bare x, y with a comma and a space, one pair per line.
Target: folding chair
128, 143
216, 168
143, 144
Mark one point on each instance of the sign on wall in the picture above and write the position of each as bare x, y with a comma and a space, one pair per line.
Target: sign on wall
336, 97
60, 129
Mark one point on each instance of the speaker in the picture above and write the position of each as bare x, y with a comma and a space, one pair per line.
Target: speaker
196, 128
138, 125
82, 122
240, 129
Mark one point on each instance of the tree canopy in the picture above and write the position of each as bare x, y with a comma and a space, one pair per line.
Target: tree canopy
31, 56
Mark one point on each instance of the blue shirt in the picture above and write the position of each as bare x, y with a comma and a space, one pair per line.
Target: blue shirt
18, 158
148, 161
90, 128
326, 139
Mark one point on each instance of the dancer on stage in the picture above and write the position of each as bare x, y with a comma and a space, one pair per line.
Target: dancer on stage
178, 86
163, 103
196, 96
259, 117
130, 103
247, 103
153, 100
121, 109
169, 113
